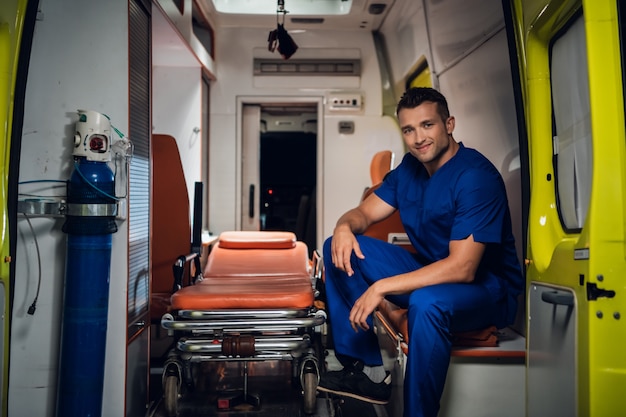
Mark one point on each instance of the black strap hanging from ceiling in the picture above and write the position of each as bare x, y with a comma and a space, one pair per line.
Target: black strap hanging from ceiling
279, 38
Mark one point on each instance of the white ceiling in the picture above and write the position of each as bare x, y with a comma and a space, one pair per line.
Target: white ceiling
337, 14
170, 50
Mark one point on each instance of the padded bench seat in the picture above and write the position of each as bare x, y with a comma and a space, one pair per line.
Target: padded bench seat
251, 270
488, 342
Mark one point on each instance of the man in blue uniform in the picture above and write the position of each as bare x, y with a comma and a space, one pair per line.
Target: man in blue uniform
464, 276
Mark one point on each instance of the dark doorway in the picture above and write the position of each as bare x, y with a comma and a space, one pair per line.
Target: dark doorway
288, 174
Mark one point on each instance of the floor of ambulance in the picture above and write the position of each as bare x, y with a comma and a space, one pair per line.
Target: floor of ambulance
269, 384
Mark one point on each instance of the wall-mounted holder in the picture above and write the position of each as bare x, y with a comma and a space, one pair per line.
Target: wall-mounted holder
60, 208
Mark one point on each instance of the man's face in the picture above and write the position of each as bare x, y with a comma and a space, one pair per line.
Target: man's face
427, 137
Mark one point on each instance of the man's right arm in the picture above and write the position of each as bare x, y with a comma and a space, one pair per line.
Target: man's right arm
355, 221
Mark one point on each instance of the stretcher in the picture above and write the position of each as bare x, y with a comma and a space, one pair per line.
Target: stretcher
253, 302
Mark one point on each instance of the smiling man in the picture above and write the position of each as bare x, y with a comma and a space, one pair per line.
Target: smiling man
464, 276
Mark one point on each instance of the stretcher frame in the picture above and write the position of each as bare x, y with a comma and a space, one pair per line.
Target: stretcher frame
226, 330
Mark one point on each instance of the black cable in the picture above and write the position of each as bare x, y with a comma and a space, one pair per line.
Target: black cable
33, 306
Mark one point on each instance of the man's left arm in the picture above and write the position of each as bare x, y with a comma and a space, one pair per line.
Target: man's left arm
458, 267
481, 202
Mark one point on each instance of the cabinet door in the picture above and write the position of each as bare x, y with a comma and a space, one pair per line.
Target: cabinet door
551, 382
137, 350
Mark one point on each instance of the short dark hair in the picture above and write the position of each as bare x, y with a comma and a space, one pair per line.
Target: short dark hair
415, 96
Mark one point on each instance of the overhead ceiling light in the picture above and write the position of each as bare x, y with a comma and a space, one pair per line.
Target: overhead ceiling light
296, 7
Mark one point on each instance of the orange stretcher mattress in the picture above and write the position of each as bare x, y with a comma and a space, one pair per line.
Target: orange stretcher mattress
251, 270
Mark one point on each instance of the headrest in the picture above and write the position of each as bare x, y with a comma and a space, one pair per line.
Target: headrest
382, 163
257, 240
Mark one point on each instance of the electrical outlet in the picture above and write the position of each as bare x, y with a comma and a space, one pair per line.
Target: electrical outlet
345, 101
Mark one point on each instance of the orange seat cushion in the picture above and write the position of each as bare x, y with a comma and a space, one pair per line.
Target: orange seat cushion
257, 240
268, 292
397, 318
225, 262
248, 270
171, 228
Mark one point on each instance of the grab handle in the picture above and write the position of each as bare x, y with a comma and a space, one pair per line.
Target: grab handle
558, 298
251, 201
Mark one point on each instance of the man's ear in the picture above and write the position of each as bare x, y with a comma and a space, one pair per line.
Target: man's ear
450, 125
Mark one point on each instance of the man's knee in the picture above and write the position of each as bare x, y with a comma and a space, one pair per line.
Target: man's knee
326, 249
426, 305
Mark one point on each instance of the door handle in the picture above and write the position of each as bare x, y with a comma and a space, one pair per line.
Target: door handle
251, 201
558, 298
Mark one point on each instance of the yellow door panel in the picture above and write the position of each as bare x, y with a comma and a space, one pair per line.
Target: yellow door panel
12, 13
570, 63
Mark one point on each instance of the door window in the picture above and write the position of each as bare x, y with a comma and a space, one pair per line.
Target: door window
571, 125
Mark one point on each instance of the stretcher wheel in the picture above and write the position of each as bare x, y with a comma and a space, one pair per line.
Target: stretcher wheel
309, 386
170, 395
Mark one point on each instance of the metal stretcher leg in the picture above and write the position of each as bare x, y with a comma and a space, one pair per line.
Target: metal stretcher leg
226, 402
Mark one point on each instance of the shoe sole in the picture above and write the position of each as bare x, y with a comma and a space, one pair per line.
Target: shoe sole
353, 395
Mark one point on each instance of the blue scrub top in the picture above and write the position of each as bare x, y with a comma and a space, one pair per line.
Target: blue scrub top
466, 196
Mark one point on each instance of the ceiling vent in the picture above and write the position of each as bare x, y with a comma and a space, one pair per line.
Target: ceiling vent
307, 20
376, 8
335, 67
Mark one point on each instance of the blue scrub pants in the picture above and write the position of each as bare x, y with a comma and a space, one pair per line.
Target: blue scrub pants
433, 313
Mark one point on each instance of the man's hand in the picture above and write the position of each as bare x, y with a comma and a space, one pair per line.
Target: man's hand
343, 243
371, 210
364, 306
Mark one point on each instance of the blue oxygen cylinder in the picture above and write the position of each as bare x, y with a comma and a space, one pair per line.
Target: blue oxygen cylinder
86, 292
